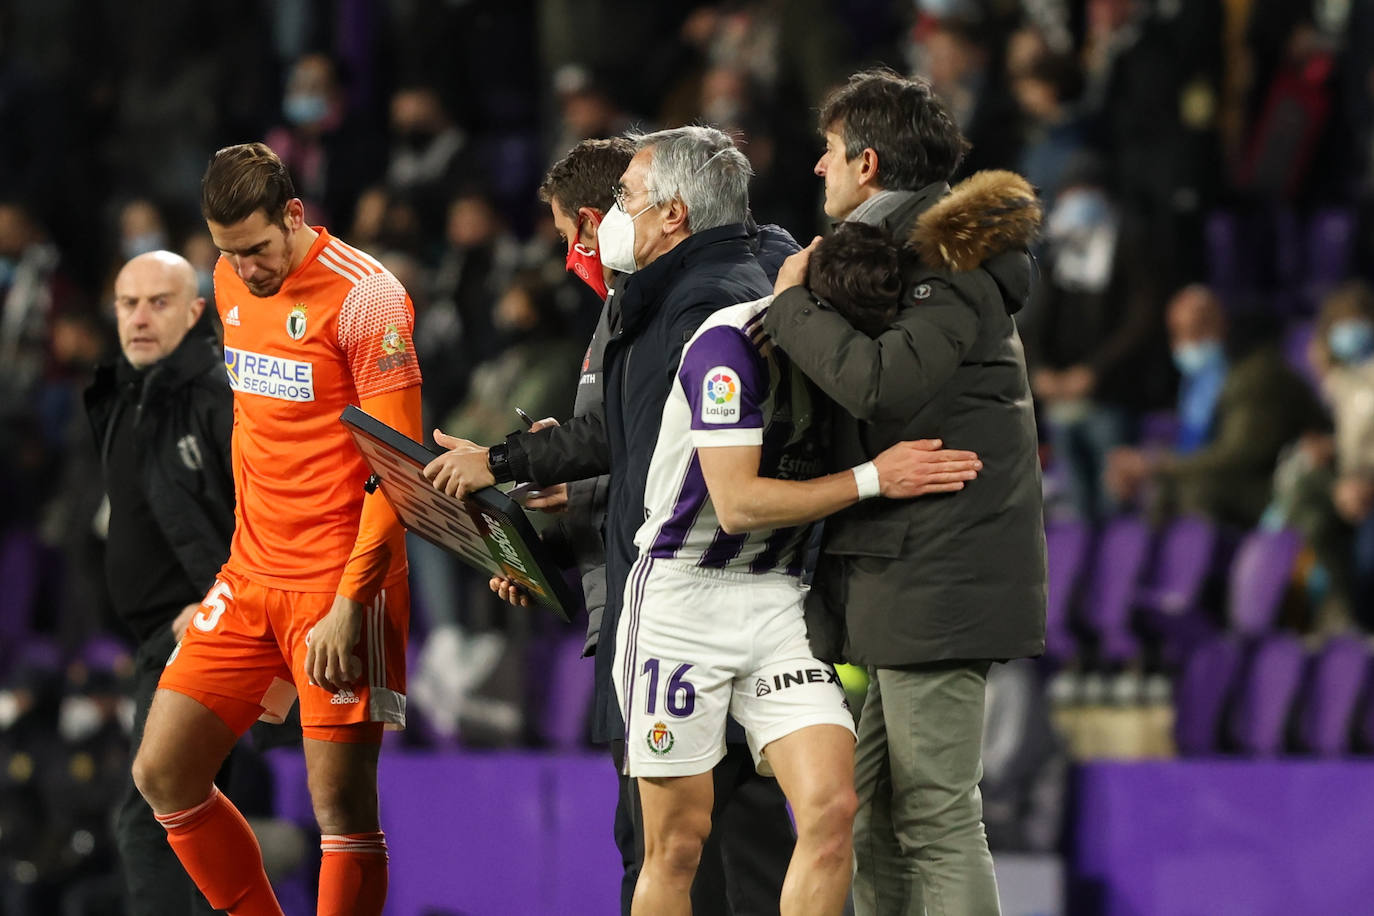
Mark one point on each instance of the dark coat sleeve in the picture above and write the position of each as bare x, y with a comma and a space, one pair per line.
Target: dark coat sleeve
885, 378
572, 451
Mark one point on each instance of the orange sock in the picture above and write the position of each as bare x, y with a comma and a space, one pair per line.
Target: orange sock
352, 874
220, 853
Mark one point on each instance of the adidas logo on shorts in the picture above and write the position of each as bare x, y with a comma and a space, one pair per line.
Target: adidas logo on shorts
343, 697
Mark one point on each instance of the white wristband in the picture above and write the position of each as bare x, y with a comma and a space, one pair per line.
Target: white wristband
866, 477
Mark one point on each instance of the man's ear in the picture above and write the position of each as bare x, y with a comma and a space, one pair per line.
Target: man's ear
294, 215
868, 166
676, 217
588, 221
197, 306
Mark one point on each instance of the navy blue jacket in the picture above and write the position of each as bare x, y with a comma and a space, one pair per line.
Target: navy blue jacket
661, 307
654, 312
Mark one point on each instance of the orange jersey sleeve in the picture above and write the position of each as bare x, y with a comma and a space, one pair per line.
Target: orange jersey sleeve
376, 334
380, 535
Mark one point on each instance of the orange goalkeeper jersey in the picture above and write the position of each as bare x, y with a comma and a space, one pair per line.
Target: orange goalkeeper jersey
338, 331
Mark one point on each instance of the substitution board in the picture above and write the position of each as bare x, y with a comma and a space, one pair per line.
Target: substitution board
486, 530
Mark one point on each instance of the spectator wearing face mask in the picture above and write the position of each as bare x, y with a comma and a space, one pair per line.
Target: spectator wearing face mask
1332, 502
331, 159
1094, 335
430, 155
1236, 411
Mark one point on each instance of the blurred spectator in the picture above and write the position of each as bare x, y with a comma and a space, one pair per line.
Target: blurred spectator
32, 294
586, 107
476, 264
1047, 88
1153, 84
1236, 412
1332, 486
1092, 335
429, 155
533, 368
967, 74
330, 155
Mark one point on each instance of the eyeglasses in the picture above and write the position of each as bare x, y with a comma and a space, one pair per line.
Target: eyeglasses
621, 195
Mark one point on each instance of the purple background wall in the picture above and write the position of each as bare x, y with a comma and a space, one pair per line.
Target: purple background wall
498, 833
1252, 837
486, 834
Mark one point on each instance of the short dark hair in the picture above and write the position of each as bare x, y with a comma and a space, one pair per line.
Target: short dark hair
858, 270
903, 121
242, 180
587, 175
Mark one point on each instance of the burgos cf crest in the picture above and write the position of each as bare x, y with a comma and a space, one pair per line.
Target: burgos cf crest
720, 396
391, 341
659, 739
295, 322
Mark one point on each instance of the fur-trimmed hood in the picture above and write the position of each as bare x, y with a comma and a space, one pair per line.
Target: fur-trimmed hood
988, 220
984, 215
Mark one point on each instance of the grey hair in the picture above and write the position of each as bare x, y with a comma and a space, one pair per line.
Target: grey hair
703, 167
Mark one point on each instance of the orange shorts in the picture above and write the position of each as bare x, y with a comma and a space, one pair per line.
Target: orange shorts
247, 644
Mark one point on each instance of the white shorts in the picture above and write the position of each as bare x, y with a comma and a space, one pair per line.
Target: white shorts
695, 644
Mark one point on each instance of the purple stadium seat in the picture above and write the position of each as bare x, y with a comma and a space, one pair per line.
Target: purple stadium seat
1122, 548
1169, 600
1339, 672
1259, 577
1066, 544
1330, 250
1202, 692
19, 571
1266, 694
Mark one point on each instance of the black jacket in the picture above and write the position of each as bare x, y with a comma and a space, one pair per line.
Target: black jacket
184, 418
545, 457
955, 576
658, 309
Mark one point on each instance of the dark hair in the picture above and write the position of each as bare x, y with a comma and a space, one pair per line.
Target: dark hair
857, 269
586, 176
242, 180
901, 120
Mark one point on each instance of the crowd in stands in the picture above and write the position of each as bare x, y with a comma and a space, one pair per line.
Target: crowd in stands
1201, 344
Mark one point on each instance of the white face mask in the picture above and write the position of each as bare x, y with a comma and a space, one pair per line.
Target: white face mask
616, 236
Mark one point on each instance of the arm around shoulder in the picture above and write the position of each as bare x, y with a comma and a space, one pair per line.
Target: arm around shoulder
887, 377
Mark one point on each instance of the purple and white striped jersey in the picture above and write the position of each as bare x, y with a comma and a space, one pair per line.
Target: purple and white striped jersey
732, 388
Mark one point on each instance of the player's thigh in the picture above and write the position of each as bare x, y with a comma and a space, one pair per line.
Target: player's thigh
815, 768
378, 695
184, 743
673, 674
675, 809
788, 689
230, 656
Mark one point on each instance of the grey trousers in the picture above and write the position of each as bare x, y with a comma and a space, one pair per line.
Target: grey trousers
919, 842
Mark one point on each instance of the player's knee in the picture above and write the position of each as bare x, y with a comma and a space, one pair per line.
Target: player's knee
828, 813
340, 811
678, 846
158, 780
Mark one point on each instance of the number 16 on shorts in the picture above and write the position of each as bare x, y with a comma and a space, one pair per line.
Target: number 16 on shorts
678, 700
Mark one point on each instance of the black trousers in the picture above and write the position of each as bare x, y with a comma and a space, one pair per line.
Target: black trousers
746, 856
155, 882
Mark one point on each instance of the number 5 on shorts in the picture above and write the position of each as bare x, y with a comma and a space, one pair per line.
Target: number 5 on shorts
681, 696
214, 600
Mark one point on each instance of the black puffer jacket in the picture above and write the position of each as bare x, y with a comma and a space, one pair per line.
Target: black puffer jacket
956, 576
